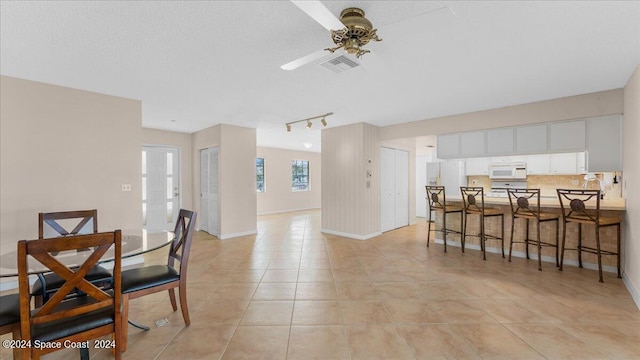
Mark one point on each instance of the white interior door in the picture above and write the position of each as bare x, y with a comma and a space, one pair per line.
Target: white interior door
387, 187
160, 187
394, 185
209, 204
401, 188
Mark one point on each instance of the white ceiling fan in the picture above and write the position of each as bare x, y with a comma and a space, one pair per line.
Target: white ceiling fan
351, 32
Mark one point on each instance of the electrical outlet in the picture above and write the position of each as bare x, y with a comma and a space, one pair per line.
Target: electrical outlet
126, 187
575, 182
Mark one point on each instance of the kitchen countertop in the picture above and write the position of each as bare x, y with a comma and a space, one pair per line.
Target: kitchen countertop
615, 204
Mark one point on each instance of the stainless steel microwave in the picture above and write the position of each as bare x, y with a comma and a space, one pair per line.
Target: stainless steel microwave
516, 170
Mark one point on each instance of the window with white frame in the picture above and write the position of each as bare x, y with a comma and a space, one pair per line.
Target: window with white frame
299, 175
260, 186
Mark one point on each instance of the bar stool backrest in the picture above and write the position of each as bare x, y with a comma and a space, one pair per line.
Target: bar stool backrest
580, 205
470, 195
521, 202
436, 197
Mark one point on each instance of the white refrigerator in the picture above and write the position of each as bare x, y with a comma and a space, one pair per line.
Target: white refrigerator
449, 174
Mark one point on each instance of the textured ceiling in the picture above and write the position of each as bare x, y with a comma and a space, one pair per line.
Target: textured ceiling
195, 64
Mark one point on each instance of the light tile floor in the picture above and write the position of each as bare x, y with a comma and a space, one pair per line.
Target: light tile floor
292, 292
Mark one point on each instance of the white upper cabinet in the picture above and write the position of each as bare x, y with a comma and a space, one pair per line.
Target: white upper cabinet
601, 137
567, 163
448, 146
477, 166
567, 136
538, 164
500, 141
472, 143
604, 143
531, 139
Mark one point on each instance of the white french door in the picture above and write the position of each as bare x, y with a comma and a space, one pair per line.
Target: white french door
160, 187
209, 204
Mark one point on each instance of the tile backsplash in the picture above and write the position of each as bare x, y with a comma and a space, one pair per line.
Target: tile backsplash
549, 183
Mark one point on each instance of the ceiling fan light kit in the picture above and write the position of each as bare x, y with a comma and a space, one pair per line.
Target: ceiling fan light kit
308, 120
357, 32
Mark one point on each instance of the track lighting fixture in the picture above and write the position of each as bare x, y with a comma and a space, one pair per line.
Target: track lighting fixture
308, 120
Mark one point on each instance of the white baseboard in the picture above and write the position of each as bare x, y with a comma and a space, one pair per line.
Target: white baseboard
286, 211
349, 235
238, 234
635, 293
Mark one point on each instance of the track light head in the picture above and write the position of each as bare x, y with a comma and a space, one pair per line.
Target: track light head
288, 127
324, 122
309, 124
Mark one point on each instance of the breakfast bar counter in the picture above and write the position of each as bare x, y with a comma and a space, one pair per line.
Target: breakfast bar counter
610, 207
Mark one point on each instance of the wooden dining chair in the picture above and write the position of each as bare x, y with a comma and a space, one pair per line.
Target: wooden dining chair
155, 278
10, 318
56, 224
63, 320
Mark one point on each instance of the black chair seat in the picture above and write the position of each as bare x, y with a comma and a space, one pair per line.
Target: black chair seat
9, 309
147, 277
96, 275
73, 325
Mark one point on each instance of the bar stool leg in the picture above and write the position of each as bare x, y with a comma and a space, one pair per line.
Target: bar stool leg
618, 231
526, 238
444, 229
557, 221
564, 238
599, 254
461, 226
580, 245
539, 247
429, 227
482, 238
464, 225
502, 233
513, 225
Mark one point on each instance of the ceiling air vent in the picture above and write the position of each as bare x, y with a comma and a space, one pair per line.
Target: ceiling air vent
340, 64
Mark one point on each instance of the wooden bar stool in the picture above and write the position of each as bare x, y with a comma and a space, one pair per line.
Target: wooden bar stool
521, 208
471, 207
437, 202
574, 210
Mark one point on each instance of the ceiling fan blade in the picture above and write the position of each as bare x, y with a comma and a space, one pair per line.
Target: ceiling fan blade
304, 60
319, 13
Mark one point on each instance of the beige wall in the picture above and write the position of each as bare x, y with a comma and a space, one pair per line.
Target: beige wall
631, 184
238, 202
278, 196
183, 142
573, 107
236, 176
66, 149
349, 207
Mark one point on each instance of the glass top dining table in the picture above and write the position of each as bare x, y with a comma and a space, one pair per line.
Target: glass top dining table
134, 243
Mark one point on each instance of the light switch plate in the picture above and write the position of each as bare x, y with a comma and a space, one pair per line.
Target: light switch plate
126, 187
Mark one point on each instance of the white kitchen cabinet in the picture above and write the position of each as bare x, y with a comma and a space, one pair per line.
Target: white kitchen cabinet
567, 163
477, 166
500, 141
604, 143
538, 164
472, 143
448, 146
567, 136
531, 139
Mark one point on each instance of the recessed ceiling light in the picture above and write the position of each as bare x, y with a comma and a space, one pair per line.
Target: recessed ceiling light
308, 145
428, 146
173, 121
